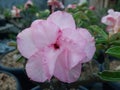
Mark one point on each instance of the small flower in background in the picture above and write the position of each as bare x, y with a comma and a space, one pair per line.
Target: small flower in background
73, 6
112, 20
92, 8
28, 4
54, 47
55, 4
15, 12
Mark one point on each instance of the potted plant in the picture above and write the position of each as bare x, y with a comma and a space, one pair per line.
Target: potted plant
9, 62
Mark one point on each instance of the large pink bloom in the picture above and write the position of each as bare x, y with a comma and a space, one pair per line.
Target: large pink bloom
112, 20
54, 47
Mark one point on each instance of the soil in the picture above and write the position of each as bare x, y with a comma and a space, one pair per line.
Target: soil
88, 69
7, 82
115, 65
92, 67
10, 60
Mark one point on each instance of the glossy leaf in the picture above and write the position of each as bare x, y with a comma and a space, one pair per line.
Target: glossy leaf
114, 51
110, 75
100, 40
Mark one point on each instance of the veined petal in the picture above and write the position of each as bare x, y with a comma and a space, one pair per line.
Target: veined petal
25, 43
63, 71
44, 33
62, 19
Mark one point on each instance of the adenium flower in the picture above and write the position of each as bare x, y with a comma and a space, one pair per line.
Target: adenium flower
54, 47
112, 20
55, 4
73, 6
15, 12
28, 4
92, 8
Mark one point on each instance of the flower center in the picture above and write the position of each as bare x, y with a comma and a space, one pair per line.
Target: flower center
56, 46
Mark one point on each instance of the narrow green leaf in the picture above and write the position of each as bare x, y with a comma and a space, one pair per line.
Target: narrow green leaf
20, 59
100, 40
117, 42
110, 75
96, 29
114, 51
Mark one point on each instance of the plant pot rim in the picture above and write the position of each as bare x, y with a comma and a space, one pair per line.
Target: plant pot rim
18, 86
7, 68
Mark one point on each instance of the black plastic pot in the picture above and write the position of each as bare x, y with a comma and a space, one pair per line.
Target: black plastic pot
20, 73
36, 88
18, 86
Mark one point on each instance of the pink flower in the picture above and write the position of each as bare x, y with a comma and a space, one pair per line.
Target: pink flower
28, 3
112, 20
54, 47
92, 8
55, 4
73, 6
15, 12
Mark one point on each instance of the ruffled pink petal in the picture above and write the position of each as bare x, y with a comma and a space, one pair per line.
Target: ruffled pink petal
117, 25
110, 29
41, 65
44, 33
36, 69
108, 20
110, 11
63, 70
71, 41
113, 13
25, 43
62, 19
89, 48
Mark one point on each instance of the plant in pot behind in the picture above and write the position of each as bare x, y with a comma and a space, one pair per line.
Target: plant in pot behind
8, 81
9, 62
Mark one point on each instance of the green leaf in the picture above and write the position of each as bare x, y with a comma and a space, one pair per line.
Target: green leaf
12, 43
80, 15
100, 40
114, 51
20, 59
109, 75
117, 42
97, 30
